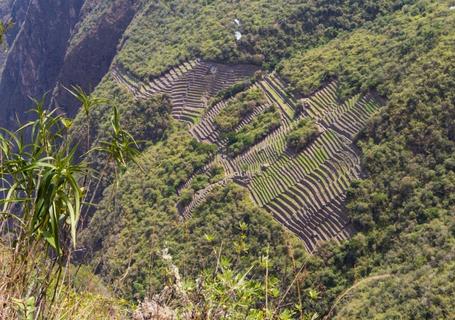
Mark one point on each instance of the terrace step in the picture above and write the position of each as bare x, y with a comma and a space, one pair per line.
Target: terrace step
201, 196
190, 85
322, 102
305, 192
275, 97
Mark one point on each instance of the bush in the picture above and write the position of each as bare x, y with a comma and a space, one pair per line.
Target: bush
148, 120
241, 106
301, 136
254, 132
231, 91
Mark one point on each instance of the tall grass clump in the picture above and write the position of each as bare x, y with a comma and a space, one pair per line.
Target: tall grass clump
44, 182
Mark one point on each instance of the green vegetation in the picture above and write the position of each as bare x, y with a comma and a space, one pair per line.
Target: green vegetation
230, 92
278, 96
81, 295
253, 132
4, 27
93, 13
402, 208
148, 120
240, 107
199, 182
43, 195
146, 206
167, 33
302, 135
375, 57
202, 180
398, 265
228, 293
405, 206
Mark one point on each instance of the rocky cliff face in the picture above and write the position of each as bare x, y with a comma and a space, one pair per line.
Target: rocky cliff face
91, 52
50, 45
36, 54
15, 10
11, 10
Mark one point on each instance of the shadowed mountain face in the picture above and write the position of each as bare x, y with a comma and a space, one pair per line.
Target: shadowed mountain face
13, 10
91, 52
36, 54
45, 48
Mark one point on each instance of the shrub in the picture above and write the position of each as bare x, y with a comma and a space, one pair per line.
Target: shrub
301, 136
241, 106
254, 132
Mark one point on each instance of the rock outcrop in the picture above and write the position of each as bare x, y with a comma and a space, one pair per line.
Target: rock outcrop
36, 53
91, 52
56, 43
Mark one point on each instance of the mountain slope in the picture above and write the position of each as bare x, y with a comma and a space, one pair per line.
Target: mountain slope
319, 135
92, 49
405, 207
403, 203
82, 47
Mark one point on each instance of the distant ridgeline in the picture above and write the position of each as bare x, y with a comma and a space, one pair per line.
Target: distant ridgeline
295, 156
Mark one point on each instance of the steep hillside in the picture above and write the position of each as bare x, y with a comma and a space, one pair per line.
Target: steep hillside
92, 48
166, 33
304, 190
5, 15
309, 144
86, 35
14, 10
293, 140
405, 207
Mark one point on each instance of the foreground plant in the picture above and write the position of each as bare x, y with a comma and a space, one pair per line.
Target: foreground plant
43, 184
224, 293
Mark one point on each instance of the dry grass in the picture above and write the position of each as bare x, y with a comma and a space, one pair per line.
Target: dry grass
85, 304
5, 262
